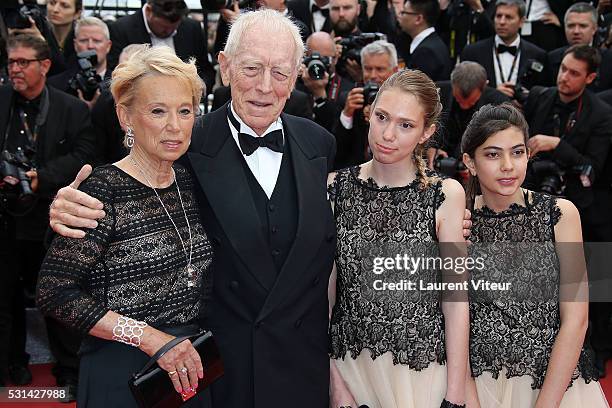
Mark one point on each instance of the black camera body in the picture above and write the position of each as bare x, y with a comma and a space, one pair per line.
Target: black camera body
15, 183
86, 79
370, 90
20, 18
317, 65
527, 80
351, 48
451, 167
552, 177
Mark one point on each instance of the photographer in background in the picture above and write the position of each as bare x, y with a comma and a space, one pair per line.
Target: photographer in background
507, 57
571, 130
581, 21
327, 89
427, 51
464, 94
163, 22
464, 22
80, 80
47, 138
379, 62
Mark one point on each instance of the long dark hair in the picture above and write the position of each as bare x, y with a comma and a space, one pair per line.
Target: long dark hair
487, 121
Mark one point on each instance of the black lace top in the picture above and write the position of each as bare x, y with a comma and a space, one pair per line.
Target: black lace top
518, 335
133, 263
379, 221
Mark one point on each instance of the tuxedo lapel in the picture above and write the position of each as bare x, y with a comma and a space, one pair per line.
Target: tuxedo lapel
308, 171
220, 173
489, 66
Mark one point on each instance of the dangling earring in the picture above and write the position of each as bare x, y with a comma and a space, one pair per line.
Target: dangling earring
129, 137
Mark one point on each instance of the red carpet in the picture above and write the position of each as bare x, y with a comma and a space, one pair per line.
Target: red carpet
43, 378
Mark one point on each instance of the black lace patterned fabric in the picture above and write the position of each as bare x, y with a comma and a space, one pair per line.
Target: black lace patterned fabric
368, 219
133, 263
519, 335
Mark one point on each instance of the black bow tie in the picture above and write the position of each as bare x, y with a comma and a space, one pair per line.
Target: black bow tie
512, 49
248, 143
324, 11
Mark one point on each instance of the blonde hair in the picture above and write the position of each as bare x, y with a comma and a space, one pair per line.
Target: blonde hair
153, 61
265, 19
425, 91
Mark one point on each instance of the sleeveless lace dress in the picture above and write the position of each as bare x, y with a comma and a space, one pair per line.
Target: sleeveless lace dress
388, 346
511, 340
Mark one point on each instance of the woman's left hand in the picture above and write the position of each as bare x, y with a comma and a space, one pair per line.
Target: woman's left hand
32, 30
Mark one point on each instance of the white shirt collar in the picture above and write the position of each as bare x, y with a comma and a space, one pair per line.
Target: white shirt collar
418, 39
244, 128
516, 41
313, 2
144, 17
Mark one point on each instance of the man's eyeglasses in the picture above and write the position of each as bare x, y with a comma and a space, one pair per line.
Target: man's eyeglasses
408, 13
22, 62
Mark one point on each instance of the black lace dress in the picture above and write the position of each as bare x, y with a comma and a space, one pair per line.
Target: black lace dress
387, 344
512, 334
133, 264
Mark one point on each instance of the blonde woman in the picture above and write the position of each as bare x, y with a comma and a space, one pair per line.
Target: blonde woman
141, 276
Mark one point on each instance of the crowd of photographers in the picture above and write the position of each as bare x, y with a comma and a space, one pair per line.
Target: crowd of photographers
56, 113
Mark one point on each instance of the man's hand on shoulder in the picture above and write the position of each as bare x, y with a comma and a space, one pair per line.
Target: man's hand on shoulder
72, 208
542, 143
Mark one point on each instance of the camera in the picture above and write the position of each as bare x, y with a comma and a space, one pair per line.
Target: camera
370, 90
451, 167
351, 49
19, 18
15, 183
552, 177
317, 65
86, 78
527, 80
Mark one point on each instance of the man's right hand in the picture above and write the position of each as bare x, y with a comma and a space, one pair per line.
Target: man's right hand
507, 88
317, 87
354, 101
72, 208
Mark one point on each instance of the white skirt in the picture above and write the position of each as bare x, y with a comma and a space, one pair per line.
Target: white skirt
380, 384
516, 392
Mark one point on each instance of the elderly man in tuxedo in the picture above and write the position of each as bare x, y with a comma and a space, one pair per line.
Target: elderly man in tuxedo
264, 207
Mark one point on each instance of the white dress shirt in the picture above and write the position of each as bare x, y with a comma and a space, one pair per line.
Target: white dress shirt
538, 9
506, 60
418, 39
264, 163
318, 19
155, 40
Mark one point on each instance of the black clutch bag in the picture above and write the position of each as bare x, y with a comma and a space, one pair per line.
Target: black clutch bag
152, 387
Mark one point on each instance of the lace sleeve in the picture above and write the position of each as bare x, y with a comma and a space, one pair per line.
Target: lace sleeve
555, 213
332, 187
72, 264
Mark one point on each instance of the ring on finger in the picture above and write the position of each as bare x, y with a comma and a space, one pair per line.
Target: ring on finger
171, 373
183, 370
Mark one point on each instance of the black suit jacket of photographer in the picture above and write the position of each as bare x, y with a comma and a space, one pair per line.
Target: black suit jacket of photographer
351, 144
189, 42
588, 142
448, 136
65, 143
432, 57
604, 74
300, 9
482, 53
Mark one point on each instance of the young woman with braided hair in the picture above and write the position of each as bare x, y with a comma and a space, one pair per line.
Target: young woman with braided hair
396, 348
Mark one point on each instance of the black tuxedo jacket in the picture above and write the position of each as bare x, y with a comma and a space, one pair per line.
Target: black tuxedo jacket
604, 76
482, 53
271, 327
66, 142
189, 42
431, 57
300, 9
588, 141
298, 103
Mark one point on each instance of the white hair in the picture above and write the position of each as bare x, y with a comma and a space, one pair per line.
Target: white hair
269, 20
380, 47
91, 22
